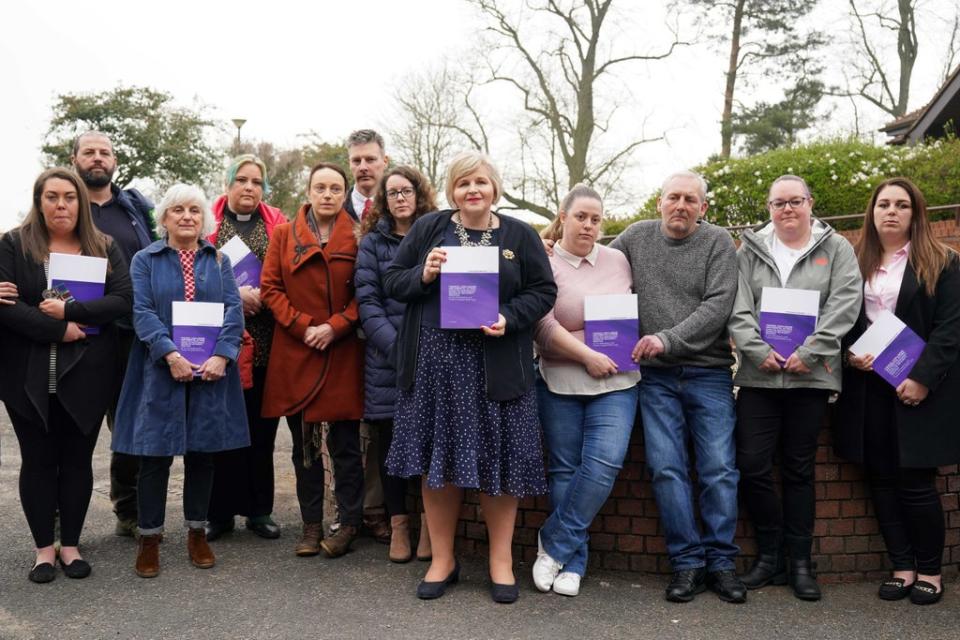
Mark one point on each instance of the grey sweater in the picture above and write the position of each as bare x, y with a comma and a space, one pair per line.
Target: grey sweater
685, 290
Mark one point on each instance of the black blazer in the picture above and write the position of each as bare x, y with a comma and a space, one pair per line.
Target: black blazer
527, 293
930, 432
348, 205
88, 371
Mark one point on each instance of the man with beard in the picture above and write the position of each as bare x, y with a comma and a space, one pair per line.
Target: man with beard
126, 216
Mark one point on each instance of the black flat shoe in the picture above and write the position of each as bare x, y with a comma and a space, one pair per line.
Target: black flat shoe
925, 593
78, 569
727, 586
504, 593
216, 529
433, 590
43, 572
686, 584
266, 528
894, 589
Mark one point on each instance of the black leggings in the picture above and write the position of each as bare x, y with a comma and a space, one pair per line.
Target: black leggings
56, 473
905, 499
394, 488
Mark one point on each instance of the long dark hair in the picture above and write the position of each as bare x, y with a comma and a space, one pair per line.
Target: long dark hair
425, 195
34, 237
928, 256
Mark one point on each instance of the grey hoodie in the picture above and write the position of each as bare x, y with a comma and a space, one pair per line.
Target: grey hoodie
828, 266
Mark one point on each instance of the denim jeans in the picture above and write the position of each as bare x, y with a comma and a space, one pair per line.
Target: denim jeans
152, 490
587, 438
695, 403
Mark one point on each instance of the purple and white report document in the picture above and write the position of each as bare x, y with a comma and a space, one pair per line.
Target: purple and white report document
470, 287
894, 346
196, 327
246, 266
611, 326
788, 317
83, 276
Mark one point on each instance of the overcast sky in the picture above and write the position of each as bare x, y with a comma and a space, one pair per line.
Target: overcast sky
290, 68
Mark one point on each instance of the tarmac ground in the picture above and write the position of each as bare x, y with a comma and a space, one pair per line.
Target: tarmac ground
260, 590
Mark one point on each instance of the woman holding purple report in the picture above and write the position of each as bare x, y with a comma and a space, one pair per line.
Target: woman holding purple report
182, 394
898, 410
799, 293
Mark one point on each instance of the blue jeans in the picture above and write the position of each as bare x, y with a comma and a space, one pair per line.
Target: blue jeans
677, 403
587, 438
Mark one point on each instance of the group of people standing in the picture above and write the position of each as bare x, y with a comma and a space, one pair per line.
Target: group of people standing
345, 326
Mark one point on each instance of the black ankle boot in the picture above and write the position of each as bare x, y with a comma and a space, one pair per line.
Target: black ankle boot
768, 568
803, 579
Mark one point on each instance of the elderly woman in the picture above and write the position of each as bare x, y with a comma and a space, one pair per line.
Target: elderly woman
404, 194
243, 478
57, 379
587, 405
315, 372
902, 434
783, 396
171, 405
466, 414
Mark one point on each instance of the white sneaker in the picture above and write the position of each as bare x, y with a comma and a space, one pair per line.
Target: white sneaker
567, 584
545, 569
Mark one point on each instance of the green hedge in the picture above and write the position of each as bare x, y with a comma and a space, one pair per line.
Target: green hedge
841, 174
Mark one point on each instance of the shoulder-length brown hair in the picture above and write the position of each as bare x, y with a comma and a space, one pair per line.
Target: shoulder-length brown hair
928, 256
425, 194
34, 236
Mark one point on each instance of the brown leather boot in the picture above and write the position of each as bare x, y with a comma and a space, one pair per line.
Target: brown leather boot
400, 539
376, 524
339, 543
309, 543
148, 556
424, 552
201, 555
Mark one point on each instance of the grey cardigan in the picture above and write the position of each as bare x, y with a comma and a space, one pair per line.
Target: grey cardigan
830, 267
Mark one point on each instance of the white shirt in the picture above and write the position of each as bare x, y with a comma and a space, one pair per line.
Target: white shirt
359, 202
785, 257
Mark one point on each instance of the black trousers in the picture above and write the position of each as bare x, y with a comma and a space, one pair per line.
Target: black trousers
394, 488
243, 478
905, 500
123, 466
343, 444
152, 490
56, 474
790, 418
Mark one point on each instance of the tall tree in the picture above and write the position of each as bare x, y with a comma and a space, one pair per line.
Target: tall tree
767, 126
555, 56
765, 38
152, 138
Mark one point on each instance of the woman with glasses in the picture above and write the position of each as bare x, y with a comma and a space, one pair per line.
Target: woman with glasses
403, 196
783, 391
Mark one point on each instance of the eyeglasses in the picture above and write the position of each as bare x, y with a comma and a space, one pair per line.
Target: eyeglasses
406, 192
780, 205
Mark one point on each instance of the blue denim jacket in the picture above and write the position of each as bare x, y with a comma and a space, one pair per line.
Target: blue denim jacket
153, 417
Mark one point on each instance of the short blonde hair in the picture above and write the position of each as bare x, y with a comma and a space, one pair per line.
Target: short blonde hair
466, 163
184, 194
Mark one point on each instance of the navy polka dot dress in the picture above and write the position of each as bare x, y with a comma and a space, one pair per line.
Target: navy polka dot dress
447, 428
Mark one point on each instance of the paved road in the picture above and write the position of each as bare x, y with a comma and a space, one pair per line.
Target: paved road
260, 590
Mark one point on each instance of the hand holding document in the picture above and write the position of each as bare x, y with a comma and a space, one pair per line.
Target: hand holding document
894, 346
470, 287
81, 277
246, 266
788, 317
196, 327
612, 327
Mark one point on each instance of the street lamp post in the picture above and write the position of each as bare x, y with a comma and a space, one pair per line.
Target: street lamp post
238, 123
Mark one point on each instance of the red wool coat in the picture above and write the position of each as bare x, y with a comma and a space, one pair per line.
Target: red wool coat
305, 285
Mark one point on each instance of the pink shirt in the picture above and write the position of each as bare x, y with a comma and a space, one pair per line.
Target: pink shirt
603, 270
881, 291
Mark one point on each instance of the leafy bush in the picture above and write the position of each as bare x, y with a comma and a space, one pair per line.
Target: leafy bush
841, 173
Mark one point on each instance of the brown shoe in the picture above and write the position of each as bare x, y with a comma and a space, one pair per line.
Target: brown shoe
148, 556
424, 552
201, 555
376, 524
400, 539
339, 543
309, 543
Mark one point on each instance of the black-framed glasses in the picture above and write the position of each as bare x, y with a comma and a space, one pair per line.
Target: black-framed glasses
780, 205
406, 192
